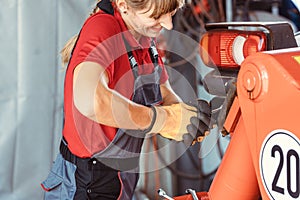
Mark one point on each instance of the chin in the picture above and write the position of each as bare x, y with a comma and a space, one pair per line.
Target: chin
153, 34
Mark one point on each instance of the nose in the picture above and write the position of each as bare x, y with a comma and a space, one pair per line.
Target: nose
166, 21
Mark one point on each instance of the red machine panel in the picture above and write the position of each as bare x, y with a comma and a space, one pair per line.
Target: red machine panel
262, 159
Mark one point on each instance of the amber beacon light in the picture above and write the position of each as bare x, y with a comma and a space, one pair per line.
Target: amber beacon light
228, 48
226, 45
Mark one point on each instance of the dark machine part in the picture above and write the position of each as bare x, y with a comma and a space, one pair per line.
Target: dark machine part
216, 81
231, 94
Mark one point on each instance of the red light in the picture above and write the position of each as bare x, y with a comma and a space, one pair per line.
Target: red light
228, 48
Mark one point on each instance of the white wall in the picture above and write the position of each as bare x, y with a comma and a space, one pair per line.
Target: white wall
31, 34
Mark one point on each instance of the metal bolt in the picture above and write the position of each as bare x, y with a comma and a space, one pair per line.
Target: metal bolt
162, 193
193, 193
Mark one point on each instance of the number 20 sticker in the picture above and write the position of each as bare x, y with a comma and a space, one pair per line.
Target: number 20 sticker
280, 165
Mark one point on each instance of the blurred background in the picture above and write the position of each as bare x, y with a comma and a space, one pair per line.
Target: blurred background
33, 32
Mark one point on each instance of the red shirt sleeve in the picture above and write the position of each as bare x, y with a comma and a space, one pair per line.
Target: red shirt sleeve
99, 42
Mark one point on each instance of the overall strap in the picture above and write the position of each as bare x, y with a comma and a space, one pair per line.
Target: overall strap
107, 7
153, 52
133, 63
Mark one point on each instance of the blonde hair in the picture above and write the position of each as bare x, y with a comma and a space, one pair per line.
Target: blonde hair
161, 7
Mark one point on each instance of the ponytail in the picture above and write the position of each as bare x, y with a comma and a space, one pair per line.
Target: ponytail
67, 49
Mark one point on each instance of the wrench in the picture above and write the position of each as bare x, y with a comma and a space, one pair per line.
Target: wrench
193, 193
162, 193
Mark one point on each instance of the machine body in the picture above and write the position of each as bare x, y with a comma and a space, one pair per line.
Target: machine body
262, 160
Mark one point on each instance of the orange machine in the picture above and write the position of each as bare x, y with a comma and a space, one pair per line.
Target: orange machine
262, 160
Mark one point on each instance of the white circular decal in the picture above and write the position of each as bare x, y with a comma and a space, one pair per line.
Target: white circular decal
280, 165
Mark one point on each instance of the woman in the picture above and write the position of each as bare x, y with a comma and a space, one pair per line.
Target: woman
116, 94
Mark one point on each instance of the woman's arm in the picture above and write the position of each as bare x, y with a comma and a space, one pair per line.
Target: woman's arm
94, 99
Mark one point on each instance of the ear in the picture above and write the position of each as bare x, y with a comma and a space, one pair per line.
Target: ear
122, 6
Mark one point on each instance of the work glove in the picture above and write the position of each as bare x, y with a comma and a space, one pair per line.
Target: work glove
201, 123
173, 121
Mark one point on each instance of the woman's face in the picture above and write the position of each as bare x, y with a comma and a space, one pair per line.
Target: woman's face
140, 23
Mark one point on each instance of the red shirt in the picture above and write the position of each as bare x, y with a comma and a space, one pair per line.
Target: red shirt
101, 40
